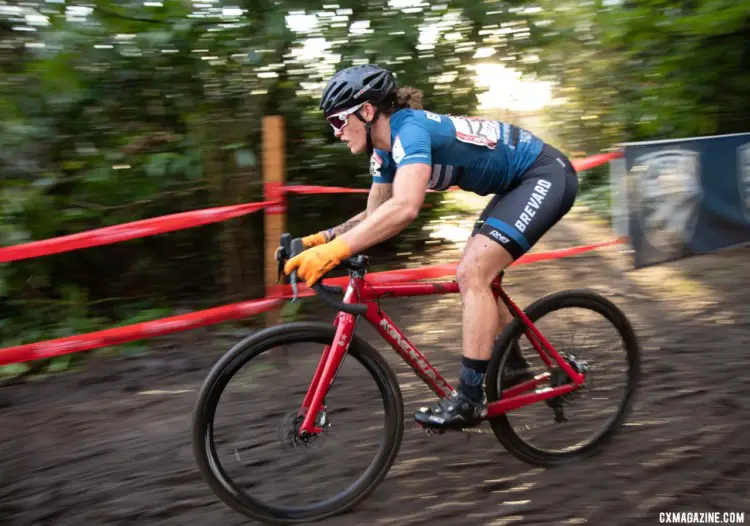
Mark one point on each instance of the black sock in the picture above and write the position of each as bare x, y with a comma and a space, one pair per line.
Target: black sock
471, 380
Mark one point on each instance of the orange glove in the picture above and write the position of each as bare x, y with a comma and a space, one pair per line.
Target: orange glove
313, 264
324, 236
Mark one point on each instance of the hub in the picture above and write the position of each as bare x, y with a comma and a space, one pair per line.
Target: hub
558, 378
289, 431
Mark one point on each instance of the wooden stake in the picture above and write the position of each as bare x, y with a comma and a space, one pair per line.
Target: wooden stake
274, 224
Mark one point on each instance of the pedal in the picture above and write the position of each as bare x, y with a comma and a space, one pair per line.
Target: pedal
475, 431
429, 430
432, 432
467, 430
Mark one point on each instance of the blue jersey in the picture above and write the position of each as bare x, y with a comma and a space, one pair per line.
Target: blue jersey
477, 155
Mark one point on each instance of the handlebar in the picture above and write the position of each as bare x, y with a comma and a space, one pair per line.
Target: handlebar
291, 247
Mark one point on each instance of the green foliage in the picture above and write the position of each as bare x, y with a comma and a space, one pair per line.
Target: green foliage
114, 111
632, 71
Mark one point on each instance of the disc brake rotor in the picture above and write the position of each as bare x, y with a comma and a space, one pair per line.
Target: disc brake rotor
289, 432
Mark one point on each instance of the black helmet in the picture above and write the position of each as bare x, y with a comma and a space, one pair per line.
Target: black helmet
356, 84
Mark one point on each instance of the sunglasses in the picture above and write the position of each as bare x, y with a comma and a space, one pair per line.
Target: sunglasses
339, 120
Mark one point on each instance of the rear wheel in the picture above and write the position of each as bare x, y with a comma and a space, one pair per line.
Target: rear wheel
564, 429
244, 480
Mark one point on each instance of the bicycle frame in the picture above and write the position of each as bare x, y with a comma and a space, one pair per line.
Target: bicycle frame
359, 291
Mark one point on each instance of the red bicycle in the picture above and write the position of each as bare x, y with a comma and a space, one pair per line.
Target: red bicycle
305, 423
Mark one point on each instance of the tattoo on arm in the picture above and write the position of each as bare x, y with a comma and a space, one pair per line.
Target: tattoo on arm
348, 225
379, 194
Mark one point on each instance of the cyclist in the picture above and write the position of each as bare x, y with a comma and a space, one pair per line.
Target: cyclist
412, 150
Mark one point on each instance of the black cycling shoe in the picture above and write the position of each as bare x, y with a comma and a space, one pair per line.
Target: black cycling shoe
456, 412
517, 369
513, 377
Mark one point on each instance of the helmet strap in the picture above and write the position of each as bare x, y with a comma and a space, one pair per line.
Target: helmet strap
368, 129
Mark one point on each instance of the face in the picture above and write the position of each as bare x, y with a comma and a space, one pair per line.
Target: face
353, 132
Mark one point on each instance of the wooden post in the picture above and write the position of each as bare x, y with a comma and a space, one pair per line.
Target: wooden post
274, 224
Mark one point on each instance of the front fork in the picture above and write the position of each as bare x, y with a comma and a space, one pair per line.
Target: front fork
325, 373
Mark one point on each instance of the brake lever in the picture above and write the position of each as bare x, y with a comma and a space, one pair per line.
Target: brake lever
280, 259
295, 248
288, 247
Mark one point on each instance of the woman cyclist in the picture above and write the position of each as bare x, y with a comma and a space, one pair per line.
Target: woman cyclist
412, 150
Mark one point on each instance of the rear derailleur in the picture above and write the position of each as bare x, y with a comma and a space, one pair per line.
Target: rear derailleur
558, 378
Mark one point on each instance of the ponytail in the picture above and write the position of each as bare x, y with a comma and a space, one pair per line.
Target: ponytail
404, 98
408, 98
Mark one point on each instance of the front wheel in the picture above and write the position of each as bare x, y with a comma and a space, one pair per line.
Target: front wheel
274, 476
596, 338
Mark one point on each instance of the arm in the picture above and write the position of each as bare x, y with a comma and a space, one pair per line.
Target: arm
379, 194
394, 214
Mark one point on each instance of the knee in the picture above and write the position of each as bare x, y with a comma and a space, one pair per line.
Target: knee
469, 276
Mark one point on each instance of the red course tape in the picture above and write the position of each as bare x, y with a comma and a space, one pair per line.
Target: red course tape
150, 329
139, 331
581, 165
158, 225
181, 221
446, 269
127, 231
311, 189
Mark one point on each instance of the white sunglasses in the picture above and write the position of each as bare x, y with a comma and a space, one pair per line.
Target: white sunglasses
339, 120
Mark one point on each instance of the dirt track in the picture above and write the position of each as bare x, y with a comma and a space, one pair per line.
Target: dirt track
111, 445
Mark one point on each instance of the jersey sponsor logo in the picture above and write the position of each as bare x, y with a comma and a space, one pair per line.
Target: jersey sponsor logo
497, 235
376, 162
480, 132
398, 150
432, 116
533, 204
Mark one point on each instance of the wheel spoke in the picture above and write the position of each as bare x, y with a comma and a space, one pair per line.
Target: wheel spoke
246, 428
591, 413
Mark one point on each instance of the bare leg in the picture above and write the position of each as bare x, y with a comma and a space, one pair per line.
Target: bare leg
483, 316
482, 261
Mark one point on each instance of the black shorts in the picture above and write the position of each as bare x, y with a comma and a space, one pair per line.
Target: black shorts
519, 217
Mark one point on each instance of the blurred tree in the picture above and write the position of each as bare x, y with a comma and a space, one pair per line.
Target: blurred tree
638, 70
113, 111
117, 110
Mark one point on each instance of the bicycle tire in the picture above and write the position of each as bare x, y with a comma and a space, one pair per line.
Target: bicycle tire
580, 298
202, 429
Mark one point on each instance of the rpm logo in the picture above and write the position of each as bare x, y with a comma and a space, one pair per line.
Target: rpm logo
499, 237
743, 177
668, 195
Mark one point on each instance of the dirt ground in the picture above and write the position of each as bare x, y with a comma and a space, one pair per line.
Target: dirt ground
111, 445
